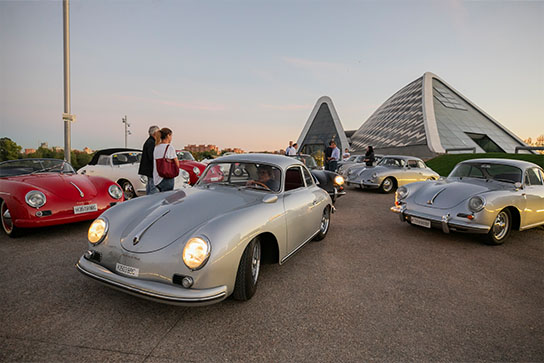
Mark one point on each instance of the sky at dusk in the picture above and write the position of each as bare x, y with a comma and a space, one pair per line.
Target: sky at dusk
248, 73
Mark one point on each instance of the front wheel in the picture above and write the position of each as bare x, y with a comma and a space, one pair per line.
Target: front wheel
388, 185
128, 190
325, 223
7, 221
248, 271
500, 229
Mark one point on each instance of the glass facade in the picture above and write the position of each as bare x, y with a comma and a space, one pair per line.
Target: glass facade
396, 123
320, 133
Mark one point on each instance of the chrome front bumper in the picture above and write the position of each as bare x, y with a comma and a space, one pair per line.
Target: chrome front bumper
151, 290
445, 222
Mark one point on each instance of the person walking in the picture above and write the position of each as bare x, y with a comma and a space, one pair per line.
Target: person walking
147, 160
335, 156
163, 149
369, 156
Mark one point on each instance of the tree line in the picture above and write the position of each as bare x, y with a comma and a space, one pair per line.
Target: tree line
10, 150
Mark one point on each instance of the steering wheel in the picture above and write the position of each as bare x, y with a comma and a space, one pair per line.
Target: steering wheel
260, 184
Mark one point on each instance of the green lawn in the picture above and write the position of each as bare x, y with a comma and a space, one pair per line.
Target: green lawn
443, 164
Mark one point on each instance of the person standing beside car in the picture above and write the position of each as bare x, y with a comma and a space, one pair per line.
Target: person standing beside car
335, 156
163, 149
369, 156
147, 161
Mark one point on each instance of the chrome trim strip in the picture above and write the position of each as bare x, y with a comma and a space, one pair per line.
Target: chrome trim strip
299, 247
79, 190
430, 202
139, 235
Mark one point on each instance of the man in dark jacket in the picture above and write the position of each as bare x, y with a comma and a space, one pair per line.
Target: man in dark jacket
147, 162
328, 153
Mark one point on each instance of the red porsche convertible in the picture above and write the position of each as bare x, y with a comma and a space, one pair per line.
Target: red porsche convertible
45, 192
188, 163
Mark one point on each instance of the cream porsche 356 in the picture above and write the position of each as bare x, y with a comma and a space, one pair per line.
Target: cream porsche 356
485, 196
199, 245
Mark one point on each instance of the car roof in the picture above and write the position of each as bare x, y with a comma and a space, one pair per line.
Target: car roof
404, 157
522, 164
97, 154
280, 160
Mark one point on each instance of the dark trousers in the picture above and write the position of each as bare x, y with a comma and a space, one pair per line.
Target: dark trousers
333, 165
166, 185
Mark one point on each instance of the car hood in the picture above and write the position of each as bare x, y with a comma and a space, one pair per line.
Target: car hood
191, 164
64, 186
166, 220
447, 194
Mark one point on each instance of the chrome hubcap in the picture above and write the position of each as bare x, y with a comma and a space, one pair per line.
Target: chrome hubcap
256, 261
387, 185
500, 226
7, 222
325, 221
128, 191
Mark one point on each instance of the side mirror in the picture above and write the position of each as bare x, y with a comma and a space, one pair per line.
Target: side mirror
518, 185
270, 199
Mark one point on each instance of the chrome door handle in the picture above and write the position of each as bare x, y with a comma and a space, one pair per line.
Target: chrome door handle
314, 202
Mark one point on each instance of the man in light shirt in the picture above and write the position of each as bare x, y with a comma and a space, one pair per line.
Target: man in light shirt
335, 156
293, 150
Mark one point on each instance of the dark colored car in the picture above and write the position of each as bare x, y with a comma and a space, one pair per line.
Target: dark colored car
331, 182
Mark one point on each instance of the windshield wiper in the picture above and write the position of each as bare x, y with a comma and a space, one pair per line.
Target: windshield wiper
47, 169
504, 180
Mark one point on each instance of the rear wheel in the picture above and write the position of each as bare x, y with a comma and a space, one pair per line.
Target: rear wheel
388, 185
500, 229
128, 189
7, 221
325, 223
248, 271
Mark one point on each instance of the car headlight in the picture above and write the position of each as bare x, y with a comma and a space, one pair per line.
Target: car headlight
476, 204
143, 179
185, 175
402, 193
115, 191
98, 230
196, 170
339, 180
35, 198
196, 253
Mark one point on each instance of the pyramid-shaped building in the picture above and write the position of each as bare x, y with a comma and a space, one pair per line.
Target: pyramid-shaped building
322, 126
429, 117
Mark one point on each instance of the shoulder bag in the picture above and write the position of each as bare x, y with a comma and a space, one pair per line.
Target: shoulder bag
167, 168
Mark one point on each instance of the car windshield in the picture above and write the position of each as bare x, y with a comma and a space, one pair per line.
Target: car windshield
391, 162
34, 166
185, 155
308, 160
247, 175
499, 172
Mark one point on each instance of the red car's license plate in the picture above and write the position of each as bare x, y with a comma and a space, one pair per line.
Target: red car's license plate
78, 209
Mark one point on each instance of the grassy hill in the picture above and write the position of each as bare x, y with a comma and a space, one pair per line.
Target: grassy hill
443, 164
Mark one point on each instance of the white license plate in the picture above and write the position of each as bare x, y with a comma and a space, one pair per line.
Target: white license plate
421, 222
78, 209
127, 270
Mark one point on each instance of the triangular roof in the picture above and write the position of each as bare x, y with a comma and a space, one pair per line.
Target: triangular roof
324, 107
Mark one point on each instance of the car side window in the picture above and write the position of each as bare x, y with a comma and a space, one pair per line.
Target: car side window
412, 164
533, 177
421, 164
103, 160
293, 178
119, 159
308, 177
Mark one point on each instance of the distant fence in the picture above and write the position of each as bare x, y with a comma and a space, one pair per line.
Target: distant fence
529, 148
473, 149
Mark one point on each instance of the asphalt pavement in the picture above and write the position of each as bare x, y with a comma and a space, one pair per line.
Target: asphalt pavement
374, 289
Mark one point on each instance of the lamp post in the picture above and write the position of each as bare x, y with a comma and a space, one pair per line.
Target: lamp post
67, 117
127, 131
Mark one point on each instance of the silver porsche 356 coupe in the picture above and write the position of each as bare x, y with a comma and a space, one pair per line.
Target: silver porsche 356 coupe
390, 173
487, 196
197, 246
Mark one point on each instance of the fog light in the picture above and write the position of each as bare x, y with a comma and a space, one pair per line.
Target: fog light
187, 282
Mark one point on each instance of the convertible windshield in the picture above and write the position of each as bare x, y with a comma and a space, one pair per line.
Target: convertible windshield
250, 175
34, 166
185, 155
308, 160
391, 162
499, 172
